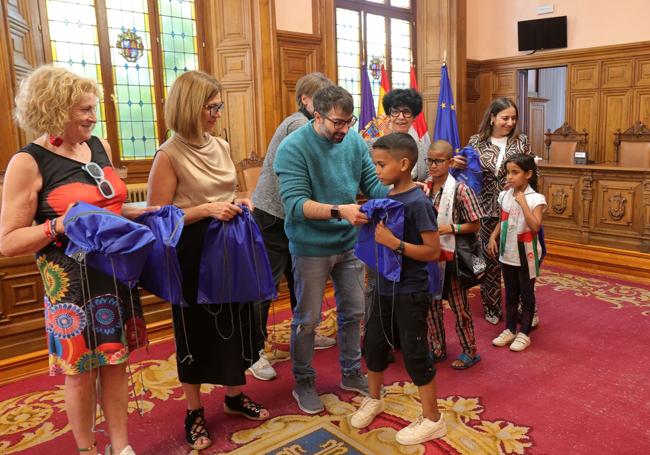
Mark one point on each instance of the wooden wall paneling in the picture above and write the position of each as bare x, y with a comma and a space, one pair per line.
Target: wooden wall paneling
240, 104
504, 83
327, 30
8, 130
266, 72
584, 76
299, 54
439, 27
642, 71
618, 207
536, 125
615, 112
230, 43
617, 73
641, 105
583, 108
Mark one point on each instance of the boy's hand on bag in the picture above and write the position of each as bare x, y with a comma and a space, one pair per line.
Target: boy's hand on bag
492, 248
385, 237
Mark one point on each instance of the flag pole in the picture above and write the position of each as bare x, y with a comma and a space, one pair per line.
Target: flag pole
444, 58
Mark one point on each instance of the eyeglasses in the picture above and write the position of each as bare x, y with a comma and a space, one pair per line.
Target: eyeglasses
97, 173
338, 124
431, 162
407, 113
214, 108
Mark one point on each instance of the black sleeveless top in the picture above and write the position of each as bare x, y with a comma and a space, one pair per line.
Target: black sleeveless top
88, 316
65, 182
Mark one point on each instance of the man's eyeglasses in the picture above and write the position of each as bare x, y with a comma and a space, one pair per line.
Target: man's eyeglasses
431, 162
97, 173
214, 108
407, 113
338, 124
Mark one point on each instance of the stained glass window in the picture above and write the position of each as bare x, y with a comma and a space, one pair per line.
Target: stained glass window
347, 44
400, 42
133, 79
178, 39
374, 34
74, 41
134, 38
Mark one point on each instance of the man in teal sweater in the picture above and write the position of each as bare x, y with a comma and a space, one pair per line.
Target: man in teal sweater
321, 168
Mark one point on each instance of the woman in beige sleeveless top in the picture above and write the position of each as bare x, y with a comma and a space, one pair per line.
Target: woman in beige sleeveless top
193, 170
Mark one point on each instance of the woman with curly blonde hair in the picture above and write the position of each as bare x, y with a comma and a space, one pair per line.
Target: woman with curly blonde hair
86, 322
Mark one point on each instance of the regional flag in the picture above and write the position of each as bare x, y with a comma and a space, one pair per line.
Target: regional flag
367, 102
446, 122
384, 87
419, 129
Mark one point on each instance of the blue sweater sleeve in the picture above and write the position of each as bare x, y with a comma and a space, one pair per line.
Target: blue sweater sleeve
293, 174
369, 184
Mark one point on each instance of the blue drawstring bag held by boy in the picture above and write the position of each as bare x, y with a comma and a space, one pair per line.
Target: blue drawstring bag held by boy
161, 274
379, 258
234, 263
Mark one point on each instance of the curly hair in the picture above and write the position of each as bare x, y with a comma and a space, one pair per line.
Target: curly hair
45, 97
403, 97
184, 105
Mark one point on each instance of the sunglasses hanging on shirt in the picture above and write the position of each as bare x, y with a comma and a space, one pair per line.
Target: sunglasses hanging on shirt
97, 173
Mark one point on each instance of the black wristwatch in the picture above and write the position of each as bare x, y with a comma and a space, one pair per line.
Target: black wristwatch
335, 212
400, 249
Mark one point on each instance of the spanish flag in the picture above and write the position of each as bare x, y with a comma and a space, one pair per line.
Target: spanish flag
384, 87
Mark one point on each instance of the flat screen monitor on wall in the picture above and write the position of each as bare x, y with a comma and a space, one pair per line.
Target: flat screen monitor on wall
540, 34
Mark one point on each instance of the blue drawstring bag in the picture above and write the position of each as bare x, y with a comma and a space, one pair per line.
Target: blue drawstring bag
107, 242
379, 258
472, 175
161, 274
234, 263
435, 280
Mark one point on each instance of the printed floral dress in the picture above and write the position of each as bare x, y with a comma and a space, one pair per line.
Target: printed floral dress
87, 314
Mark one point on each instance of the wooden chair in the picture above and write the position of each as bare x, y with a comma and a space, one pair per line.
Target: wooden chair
248, 171
562, 144
633, 146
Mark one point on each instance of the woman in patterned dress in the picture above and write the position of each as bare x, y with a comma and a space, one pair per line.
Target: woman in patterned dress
86, 317
498, 140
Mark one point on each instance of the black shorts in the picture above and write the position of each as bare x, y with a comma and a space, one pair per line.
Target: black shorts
404, 318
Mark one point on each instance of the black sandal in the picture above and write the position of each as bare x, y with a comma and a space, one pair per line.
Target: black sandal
243, 405
195, 429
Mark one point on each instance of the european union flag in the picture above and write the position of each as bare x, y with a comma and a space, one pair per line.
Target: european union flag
446, 122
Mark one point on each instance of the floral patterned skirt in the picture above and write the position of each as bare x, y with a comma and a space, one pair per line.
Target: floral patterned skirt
90, 320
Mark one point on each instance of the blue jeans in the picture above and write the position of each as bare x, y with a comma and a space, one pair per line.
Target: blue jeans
310, 275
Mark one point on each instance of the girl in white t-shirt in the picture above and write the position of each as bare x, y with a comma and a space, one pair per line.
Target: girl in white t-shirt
518, 248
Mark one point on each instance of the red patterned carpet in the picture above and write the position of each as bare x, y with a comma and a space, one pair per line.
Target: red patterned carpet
581, 388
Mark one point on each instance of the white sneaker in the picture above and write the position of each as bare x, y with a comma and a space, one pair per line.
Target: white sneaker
522, 341
505, 337
422, 430
262, 369
369, 409
535, 322
323, 342
128, 450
